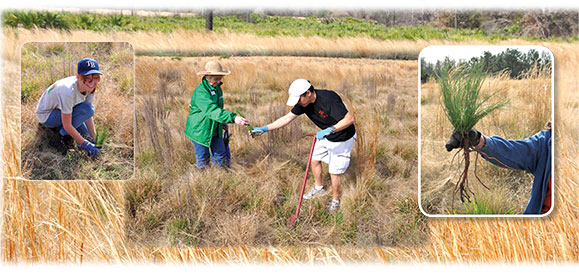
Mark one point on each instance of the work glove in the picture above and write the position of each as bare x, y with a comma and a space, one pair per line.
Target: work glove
323, 133
456, 139
90, 148
87, 137
257, 131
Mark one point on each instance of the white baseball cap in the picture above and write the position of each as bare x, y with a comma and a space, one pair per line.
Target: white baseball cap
296, 89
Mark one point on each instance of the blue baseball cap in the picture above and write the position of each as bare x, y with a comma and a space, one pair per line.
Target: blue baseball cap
88, 66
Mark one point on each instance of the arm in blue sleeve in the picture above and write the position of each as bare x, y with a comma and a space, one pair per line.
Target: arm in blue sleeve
517, 154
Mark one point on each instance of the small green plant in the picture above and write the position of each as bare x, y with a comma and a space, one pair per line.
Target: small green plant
460, 94
464, 107
482, 208
249, 127
101, 136
31, 19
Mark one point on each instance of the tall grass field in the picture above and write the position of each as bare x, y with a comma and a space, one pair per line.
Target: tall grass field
172, 202
171, 213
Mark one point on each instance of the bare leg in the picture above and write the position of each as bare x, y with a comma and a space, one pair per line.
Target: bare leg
317, 171
336, 186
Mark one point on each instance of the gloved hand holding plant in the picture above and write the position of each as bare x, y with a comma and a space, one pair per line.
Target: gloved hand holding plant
460, 90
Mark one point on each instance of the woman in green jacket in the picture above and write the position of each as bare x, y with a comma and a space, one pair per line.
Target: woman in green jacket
207, 118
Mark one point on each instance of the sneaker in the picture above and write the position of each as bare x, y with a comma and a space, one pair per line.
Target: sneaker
333, 206
315, 193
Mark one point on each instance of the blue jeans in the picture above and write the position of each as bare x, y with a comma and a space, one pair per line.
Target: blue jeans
217, 151
80, 113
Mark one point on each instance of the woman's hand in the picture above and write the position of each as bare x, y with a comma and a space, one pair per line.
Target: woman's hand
241, 121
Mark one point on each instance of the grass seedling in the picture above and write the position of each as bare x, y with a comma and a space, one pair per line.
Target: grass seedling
464, 107
249, 127
101, 136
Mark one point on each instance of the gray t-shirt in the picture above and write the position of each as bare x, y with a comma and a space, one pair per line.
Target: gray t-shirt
63, 95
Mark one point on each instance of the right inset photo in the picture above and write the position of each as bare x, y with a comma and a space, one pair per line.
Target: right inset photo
486, 125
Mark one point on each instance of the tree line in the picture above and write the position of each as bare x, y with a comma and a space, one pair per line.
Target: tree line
541, 24
515, 62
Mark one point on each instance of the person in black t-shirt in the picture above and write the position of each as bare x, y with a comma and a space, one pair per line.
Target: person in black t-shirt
336, 137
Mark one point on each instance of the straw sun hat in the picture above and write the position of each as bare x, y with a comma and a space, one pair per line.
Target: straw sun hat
213, 68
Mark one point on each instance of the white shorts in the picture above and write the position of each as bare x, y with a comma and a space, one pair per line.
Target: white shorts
335, 154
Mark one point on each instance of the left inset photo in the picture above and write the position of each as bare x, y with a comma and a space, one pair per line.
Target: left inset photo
78, 110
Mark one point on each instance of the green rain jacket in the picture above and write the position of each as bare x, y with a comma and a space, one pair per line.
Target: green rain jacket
206, 114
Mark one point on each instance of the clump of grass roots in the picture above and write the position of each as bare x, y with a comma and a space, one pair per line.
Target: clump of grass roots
464, 107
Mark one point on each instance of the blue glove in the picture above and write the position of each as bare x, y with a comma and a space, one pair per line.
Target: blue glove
323, 133
90, 148
259, 130
89, 139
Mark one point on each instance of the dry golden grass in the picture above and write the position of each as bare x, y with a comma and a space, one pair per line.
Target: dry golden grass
65, 227
528, 111
32, 231
187, 42
251, 205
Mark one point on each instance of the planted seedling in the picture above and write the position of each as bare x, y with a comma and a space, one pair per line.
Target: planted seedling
464, 107
101, 136
249, 127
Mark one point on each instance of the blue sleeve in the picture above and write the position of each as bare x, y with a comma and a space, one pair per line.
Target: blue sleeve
517, 154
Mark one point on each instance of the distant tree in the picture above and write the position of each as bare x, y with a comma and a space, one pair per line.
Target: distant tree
209, 20
513, 61
426, 70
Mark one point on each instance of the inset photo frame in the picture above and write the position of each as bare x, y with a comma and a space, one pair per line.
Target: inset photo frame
78, 110
486, 118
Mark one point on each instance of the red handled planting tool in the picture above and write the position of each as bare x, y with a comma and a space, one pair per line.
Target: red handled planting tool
295, 216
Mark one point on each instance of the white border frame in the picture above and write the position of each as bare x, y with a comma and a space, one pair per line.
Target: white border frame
553, 138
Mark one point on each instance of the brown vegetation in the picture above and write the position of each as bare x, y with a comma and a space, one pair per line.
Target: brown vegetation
36, 229
251, 204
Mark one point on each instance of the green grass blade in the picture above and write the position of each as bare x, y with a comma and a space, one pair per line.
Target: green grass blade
461, 99
249, 127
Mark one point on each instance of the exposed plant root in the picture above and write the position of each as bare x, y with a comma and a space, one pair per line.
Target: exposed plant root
462, 184
475, 167
458, 164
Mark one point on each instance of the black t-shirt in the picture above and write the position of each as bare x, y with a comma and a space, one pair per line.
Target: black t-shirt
326, 111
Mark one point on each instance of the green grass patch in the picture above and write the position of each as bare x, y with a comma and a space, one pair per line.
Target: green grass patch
182, 231
257, 24
483, 207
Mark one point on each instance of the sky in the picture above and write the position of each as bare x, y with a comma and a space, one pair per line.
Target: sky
433, 53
